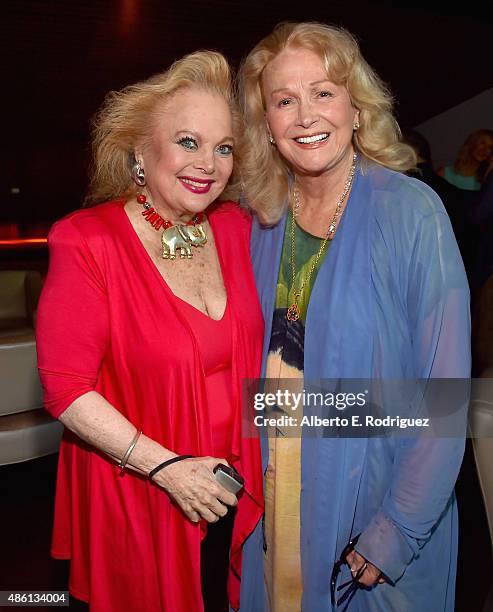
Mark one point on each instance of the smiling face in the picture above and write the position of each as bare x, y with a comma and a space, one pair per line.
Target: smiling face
310, 118
189, 158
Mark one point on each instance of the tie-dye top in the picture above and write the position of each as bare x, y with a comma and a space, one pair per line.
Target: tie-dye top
283, 476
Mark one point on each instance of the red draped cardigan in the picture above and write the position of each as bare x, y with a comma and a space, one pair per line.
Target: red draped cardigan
108, 322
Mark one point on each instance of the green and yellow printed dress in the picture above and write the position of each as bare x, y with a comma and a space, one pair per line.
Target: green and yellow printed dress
283, 475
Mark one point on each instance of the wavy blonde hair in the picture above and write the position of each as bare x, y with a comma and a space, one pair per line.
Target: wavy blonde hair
264, 172
128, 117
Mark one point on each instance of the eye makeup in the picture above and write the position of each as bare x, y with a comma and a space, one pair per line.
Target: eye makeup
188, 142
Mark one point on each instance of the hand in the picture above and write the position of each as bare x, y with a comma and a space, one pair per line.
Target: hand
371, 576
192, 484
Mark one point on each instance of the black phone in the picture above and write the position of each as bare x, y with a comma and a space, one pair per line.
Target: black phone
228, 478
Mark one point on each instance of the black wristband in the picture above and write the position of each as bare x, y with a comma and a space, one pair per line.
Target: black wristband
159, 467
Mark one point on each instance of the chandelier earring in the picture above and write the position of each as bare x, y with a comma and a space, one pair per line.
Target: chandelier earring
138, 174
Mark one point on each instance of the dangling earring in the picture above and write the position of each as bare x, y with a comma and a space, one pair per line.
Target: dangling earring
355, 127
138, 174
272, 141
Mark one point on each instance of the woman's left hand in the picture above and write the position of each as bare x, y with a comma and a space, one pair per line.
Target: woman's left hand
371, 576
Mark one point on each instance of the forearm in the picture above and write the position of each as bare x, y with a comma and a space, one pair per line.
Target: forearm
425, 471
100, 424
190, 483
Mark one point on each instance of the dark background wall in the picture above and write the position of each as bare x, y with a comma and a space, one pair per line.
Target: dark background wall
61, 57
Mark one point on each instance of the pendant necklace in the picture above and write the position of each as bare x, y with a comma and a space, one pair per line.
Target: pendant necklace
179, 236
294, 312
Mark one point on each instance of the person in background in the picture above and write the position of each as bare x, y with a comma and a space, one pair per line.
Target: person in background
467, 173
482, 218
148, 323
451, 196
359, 276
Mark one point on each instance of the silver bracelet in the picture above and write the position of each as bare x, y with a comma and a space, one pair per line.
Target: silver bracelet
128, 452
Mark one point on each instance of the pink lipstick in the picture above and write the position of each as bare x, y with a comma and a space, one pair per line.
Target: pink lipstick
196, 185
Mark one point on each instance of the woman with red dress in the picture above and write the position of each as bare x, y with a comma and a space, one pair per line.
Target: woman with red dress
147, 325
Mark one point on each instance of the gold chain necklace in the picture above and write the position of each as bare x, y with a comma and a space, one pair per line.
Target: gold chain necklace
294, 312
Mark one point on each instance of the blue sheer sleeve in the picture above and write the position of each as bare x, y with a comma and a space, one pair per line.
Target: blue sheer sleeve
425, 468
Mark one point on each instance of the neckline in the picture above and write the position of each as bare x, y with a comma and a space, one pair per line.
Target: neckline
301, 229
164, 284
200, 312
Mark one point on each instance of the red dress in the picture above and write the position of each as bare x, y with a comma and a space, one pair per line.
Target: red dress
215, 344
108, 322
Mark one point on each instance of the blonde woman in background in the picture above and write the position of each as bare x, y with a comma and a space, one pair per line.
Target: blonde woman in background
469, 168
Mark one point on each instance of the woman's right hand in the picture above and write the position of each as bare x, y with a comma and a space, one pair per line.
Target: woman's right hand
192, 484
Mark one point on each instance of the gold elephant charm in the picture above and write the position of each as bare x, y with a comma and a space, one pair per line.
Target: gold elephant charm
182, 237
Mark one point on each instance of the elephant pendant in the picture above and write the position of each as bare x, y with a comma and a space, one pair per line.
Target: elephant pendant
182, 237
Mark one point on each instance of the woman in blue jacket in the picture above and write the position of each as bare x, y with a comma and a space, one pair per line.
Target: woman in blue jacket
359, 277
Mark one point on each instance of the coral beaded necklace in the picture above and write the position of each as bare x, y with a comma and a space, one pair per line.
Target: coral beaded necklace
181, 236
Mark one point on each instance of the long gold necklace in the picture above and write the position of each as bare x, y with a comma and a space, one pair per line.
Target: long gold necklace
294, 312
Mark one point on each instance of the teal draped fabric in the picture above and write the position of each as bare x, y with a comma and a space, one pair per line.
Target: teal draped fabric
391, 301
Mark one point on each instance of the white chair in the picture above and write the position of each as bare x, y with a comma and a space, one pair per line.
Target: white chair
27, 431
481, 425
19, 294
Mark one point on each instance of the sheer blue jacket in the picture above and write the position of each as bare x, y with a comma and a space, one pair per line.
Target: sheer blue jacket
391, 300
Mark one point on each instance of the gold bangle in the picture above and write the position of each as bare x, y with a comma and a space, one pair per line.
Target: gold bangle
128, 452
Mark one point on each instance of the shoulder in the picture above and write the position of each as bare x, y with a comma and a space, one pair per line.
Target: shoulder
411, 231
401, 197
90, 225
231, 214
80, 242
407, 218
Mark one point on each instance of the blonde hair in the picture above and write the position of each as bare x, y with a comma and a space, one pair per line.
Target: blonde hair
465, 153
264, 172
127, 118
